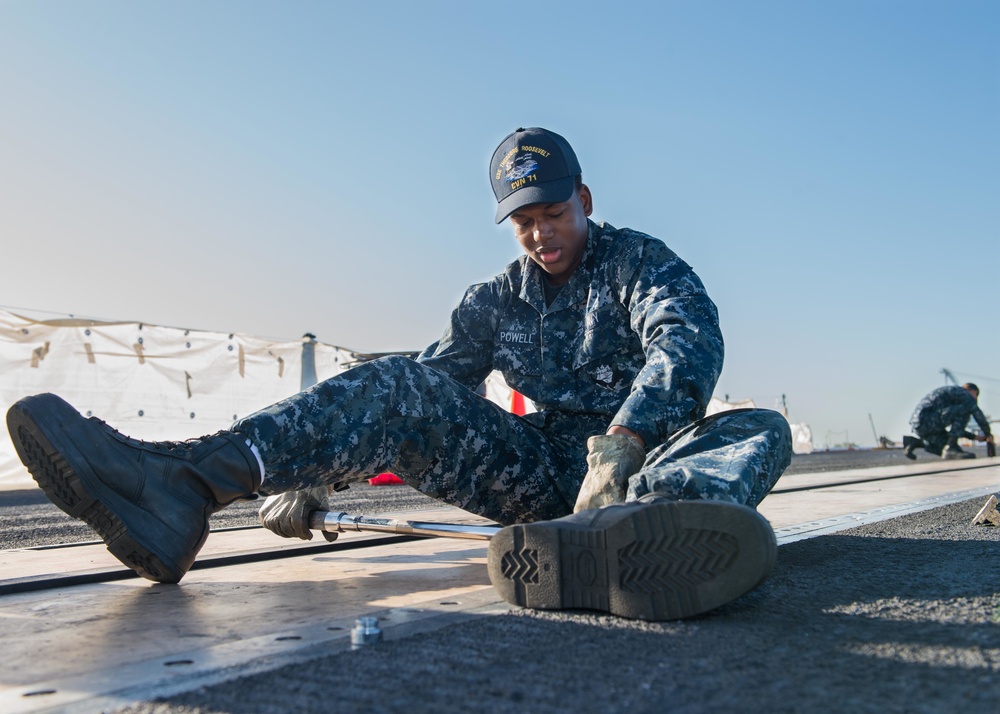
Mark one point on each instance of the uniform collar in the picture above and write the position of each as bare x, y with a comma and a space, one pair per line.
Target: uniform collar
574, 291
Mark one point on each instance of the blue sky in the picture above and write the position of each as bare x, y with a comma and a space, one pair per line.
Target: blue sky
830, 169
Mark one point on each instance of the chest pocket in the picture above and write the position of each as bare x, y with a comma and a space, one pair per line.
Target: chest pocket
610, 354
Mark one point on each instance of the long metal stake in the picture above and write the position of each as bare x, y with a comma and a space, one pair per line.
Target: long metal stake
344, 523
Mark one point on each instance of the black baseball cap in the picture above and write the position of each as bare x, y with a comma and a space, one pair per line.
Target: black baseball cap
532, 166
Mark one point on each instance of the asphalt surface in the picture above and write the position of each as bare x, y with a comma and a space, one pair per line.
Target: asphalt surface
898, 616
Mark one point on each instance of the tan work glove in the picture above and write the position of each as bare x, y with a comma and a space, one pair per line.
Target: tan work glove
287, 514
611, 460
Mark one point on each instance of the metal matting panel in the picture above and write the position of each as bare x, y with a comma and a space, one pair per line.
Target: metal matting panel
825, 526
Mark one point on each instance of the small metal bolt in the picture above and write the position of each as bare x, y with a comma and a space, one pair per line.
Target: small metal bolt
366, 632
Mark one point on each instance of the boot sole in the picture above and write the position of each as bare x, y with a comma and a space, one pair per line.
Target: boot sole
57, 472
661, 561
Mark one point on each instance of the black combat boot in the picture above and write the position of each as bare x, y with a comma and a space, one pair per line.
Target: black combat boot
149, 501
910, 445
651, 560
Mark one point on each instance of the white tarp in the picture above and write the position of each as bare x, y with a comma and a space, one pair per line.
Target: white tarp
150, 382
497, 390
801, 433
716, 405
802, 439
155, 382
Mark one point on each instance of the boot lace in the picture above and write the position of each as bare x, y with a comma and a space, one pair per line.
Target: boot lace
177, 449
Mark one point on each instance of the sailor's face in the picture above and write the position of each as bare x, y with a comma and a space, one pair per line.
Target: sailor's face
554, 235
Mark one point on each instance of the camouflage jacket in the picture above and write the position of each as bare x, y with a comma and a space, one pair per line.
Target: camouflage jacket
632, 339
946, 406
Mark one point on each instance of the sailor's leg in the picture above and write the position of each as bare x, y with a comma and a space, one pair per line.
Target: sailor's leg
934, 440
734, 456
958, 420
396, 415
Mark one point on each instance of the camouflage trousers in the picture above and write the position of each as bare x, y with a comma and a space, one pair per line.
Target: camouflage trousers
396, 415
946, 428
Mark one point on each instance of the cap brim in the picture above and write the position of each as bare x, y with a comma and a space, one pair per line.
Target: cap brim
549, 192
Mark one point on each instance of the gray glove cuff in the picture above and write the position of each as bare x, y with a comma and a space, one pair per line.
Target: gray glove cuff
611, 460
616, 448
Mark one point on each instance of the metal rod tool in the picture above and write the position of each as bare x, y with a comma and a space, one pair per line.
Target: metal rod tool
332, 522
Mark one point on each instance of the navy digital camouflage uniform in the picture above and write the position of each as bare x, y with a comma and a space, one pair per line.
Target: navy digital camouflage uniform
631, 339
942, 416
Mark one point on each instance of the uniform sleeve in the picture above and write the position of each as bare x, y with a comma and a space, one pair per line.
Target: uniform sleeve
465, 351
678, 326
983, 422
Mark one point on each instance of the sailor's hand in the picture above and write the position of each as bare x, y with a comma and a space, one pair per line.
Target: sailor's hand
611, 460
287, 514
